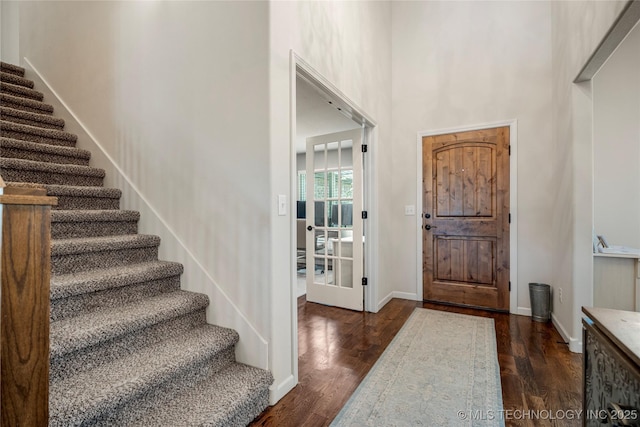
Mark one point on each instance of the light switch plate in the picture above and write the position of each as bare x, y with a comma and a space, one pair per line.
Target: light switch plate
409, 210
282, 204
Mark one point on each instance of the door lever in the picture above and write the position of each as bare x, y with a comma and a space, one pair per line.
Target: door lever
429, 227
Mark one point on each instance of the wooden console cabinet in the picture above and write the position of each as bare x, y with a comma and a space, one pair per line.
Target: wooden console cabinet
611, 361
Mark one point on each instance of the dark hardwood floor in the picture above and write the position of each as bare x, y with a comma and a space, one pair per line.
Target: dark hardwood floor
338, 347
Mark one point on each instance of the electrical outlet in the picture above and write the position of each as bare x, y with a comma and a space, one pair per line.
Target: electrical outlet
560, 295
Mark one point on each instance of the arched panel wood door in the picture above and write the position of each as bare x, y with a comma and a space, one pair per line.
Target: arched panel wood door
466, 218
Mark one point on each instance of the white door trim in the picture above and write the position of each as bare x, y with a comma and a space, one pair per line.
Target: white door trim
513, 207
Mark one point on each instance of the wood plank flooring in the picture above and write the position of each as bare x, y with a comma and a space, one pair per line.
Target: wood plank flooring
338, 347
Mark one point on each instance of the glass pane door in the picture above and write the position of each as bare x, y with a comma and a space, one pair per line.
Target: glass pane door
334, 203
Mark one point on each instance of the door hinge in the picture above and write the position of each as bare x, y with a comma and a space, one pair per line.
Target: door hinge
364, 148
509, 217
509, 149
509, 286
365, 281
364, 214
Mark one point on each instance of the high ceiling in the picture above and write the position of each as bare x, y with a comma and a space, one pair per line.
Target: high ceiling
315, 116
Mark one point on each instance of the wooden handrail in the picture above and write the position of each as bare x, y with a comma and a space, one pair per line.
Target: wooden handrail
24, 311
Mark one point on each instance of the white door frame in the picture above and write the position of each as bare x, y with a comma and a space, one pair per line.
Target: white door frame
513, 207
326, 89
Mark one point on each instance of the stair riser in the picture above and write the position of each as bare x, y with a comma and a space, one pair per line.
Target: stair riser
90, 357
69, 230
86, 203
37, 138
18, 104
86, 303
64, 264
17, 153
23, 121
21, 92
16, 80
135, 408
21, 175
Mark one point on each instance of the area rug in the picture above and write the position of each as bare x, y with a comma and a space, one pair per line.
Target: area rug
441, 369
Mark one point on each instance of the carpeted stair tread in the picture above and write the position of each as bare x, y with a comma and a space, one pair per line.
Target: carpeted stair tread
66, 285
87, 330
45, 151
15, 79
99, 244
20, 91
25, 104
30, 118
226, 399
37, 134
77, 254
94, 215
50, 173
5, 67
76, 190
51, 167
76, 223
79, 197
79, 399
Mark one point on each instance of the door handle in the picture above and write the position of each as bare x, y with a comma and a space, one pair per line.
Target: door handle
429, 227
309, 228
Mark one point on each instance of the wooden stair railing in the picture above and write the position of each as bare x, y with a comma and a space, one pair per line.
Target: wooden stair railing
24, 312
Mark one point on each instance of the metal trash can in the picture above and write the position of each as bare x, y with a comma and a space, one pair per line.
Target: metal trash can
540, 296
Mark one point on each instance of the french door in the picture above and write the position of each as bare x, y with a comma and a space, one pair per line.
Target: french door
334, 242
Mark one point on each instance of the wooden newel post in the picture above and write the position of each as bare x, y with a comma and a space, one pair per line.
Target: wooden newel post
24, 313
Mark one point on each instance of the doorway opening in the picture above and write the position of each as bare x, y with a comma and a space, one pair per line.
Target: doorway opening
331, 193
325, 185
301, 75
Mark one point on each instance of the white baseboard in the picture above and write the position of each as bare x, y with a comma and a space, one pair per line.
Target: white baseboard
575, 345
395, 294
385, 300
277, 392
253, 349
406, 295
523, 311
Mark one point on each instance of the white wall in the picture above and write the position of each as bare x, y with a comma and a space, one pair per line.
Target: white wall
176, 94
9, 32
459, 64
577, 28
616, 145
349, 44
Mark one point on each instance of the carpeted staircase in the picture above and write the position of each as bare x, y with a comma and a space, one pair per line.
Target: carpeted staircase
128, 347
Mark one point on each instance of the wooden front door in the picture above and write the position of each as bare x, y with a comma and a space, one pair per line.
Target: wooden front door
466, 218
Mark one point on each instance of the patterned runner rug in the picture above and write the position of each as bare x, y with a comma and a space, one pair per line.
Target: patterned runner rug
440, 370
